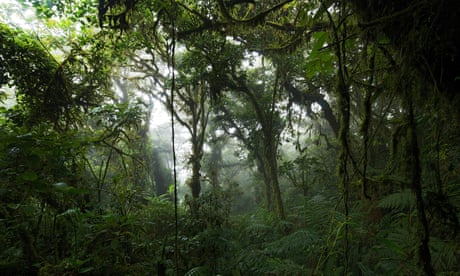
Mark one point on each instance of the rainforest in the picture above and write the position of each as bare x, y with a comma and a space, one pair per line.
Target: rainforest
229, 137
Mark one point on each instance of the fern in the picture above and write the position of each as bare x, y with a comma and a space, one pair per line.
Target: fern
295, 245
402, 200
445, 255
258, 232
252, 262
318, 213
365, 271
395, 252
260, 262
198, 271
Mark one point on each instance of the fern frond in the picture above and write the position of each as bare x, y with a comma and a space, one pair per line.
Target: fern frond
295, 245
198, 271
445, 254
366, 271
318, 212
258, 228
402, 200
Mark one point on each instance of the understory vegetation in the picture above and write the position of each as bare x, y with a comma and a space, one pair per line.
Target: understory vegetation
177, 137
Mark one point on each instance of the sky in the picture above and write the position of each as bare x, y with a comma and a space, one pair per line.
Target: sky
13, 13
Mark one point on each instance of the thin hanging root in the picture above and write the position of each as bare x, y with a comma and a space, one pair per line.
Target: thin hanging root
172, 65
344, 111
365, 129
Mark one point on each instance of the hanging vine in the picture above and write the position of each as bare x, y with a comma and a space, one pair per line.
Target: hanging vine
423, 250
172, 65
365, 127
344, 112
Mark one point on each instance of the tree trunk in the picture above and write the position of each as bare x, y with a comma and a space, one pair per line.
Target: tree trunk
424, 255
263, 169
273, 167
272, 173
195, 184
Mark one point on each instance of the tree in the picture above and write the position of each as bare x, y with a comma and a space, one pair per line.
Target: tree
357, 100
47, 176
255, 120
194, 99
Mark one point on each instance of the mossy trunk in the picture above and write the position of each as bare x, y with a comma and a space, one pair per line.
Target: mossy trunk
271, 166
279, 206
263, 169
195, 183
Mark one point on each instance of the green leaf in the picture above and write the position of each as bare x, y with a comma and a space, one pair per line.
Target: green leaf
33, 161
64, 188
69, 212
29, 176
60, 185
319, 59
14, 206
320, 40
86, 270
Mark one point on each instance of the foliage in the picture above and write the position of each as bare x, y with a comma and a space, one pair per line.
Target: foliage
324, 138
403, 200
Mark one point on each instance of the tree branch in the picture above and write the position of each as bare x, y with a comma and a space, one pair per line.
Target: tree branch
308, 98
